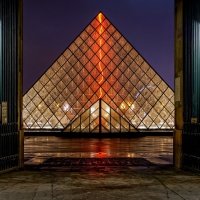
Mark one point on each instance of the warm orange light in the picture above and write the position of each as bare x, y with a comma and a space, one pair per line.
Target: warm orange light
100, 17
100, 31
122, 106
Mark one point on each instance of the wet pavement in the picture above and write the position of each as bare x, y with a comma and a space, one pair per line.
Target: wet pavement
157, 150
101, 169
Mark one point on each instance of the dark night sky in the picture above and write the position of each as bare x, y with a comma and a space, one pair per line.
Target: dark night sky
51, 25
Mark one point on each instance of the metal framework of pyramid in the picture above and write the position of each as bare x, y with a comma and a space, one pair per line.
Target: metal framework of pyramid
99, 118
99, 64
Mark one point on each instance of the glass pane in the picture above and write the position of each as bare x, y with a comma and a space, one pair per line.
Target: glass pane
61, 73
151, 73
133, 66
48, 114
78, 66
71, 100
169, 106
145, 79
106, 47
146, 107
122, 41
95, 35
61, 61
106, 116
84, 47
78, 41
59, 114
89, 54
48, 100
117, 60
56, 66
105, 35
116, 47
133, 53
116, 35
147, 121
85, 124
75, 123
111, 29
38, 86
114, 129
26, 99
55, 79
156, 79
145, 67
152, 114
89, 41
127, 47
72, 60
164, 100
111, 54
55, 93
84, 35
94, 107
78, 53
115, 116
139, 60
105, 129
163, 86
85, 115
157, 93
43, 93
66, 67
125, 124
44, 79
36, 100
115, 124
50, 73
169, 93
73, 47
67, 54
139, 73
89, 29
83, 60
94, 124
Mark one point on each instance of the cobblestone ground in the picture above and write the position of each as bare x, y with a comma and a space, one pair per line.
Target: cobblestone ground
100, 183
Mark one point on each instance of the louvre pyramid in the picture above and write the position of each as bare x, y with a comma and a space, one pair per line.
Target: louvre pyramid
99, 64
100, 117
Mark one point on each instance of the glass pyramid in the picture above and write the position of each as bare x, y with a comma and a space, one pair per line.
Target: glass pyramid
100, 117
99, 64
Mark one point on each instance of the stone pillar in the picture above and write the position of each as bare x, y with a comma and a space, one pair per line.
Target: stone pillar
177, 141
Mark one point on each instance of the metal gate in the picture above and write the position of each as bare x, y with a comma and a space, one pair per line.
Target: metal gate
191, 85
10, 83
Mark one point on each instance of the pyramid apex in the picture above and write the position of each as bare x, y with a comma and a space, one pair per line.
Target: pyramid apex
100, 17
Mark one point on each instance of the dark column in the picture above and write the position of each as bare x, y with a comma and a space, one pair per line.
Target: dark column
178, 84
187, 88
191, 85
11, 137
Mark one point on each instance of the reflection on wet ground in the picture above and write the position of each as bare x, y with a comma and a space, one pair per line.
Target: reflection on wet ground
154, 149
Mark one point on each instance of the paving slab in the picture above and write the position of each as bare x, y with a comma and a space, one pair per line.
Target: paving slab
135, 182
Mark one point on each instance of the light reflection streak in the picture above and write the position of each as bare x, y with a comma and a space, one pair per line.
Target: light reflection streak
100, 54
